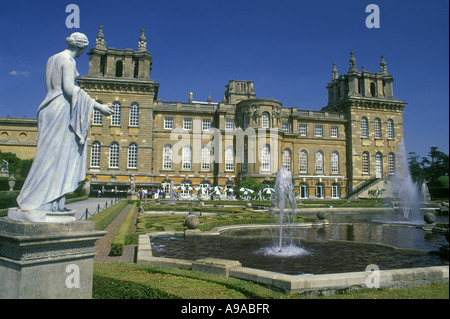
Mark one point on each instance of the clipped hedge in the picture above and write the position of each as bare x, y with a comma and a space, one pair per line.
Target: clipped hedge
106, 216
119, 241
134, 281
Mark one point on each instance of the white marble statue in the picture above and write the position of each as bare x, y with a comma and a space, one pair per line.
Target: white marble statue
63, 122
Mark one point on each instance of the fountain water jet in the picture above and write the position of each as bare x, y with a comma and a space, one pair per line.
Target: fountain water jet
403, 186
284, 213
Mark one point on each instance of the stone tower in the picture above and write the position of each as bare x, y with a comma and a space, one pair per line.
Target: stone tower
121, 78
375, 121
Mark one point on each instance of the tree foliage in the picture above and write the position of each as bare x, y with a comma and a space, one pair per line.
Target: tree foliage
429, 168
16, 165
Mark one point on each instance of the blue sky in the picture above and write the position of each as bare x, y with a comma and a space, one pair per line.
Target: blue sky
286, 47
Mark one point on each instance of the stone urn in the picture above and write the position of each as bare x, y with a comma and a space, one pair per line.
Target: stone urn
192, 221
11, 183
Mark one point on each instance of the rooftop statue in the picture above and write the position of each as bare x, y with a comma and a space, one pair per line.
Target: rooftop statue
63, 121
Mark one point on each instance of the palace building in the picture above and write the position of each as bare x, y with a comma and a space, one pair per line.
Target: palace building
333, 153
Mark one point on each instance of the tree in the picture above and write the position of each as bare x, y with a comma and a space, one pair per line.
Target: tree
430, 168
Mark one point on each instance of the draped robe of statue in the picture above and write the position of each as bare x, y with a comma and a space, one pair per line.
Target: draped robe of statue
63, 121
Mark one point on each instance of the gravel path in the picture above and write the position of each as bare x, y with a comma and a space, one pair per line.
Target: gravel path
103, 245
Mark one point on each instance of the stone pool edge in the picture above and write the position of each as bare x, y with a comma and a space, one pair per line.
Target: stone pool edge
309, 285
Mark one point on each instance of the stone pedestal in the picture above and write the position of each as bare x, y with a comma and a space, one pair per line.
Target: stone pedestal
46, 259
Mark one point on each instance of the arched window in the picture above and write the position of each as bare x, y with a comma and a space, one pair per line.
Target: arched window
377, 127
206, 158
303, 161
114, 155
373, 91
119, 69
391, 160
97, 118
265, 158
134, 114
335, 193
365, 163
390, 129
334, 162
186, 158
229, 159
320, 190
303, 190
319, 162
287, 158
246, 120
167, 157
95, 154
115, 117
265, 120
378, 165
132, 155
364, 127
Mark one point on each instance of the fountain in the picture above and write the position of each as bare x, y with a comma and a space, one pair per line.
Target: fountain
403, 187
284, 213
425, 193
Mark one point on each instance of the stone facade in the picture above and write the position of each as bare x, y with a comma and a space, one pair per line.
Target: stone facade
331, 153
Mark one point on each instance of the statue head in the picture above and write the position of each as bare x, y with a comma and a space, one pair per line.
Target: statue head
77, 41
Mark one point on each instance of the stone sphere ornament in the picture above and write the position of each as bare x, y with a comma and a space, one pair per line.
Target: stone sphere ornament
321, 215
429, 218
192, 221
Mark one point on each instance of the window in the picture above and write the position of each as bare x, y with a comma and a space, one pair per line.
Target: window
246, 120
114, 155
167, 157
132, 155
265, 158
335, 190
245, 159
97, 118
95, 154
320, 190
319, 162
302, 130
115, 117
303, 190
119, 69
287, 158
186, 158
206, 124
318, 130
391, 160
390, 129
229, 159
134, 114
229, 125
378, 165
206, 158
187, 123
168, 123
364, 127
365, 163
377, 128
334, 163
303, 161
285, 127
265, 120
334, 131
